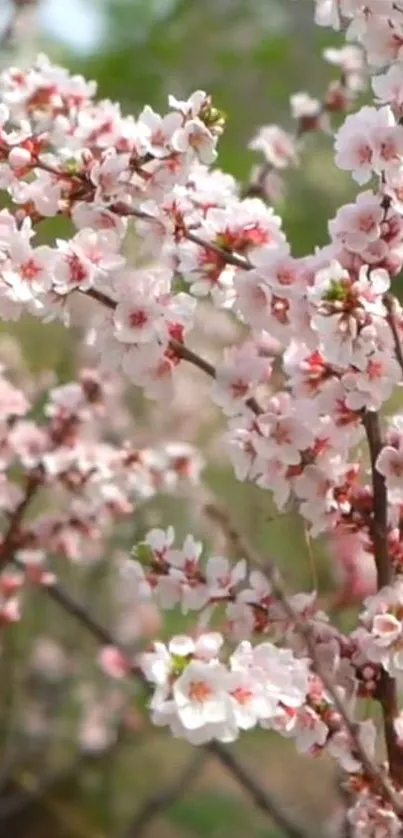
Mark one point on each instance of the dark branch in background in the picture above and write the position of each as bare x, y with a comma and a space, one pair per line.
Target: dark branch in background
159, 802
32, 791
260, 797
17, 8
386, 691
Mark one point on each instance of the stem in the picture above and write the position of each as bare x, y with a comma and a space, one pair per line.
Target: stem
386, 692
379, 522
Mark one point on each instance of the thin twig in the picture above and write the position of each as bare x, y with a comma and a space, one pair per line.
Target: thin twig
162, 800
226, 255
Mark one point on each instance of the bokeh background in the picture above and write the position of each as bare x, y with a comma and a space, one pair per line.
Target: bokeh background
251, 55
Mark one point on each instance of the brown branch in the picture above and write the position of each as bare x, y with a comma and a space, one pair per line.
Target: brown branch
8, 545
386, 690
379, 523
261, 798
164, 799
226, 255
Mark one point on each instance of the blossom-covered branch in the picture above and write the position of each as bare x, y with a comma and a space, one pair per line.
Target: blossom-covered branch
312, 357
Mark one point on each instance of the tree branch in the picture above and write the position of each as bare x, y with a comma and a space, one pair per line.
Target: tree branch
386, 691
7, 547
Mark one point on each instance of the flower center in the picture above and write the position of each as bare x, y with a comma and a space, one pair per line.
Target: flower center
200, 691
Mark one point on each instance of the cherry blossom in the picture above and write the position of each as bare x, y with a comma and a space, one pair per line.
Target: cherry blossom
304, 356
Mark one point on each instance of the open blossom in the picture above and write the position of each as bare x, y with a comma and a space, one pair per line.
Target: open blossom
344, 312
388, 87
238, 376
381, 638
368, 142
370, 818
358, 225
140, 314
390, 464
340, 746
277, 146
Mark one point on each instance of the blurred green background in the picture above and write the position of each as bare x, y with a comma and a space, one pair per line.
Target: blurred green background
251, 55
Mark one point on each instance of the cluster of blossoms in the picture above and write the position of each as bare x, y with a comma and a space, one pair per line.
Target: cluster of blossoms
381, 635
300, 392
88, 482
262, 684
